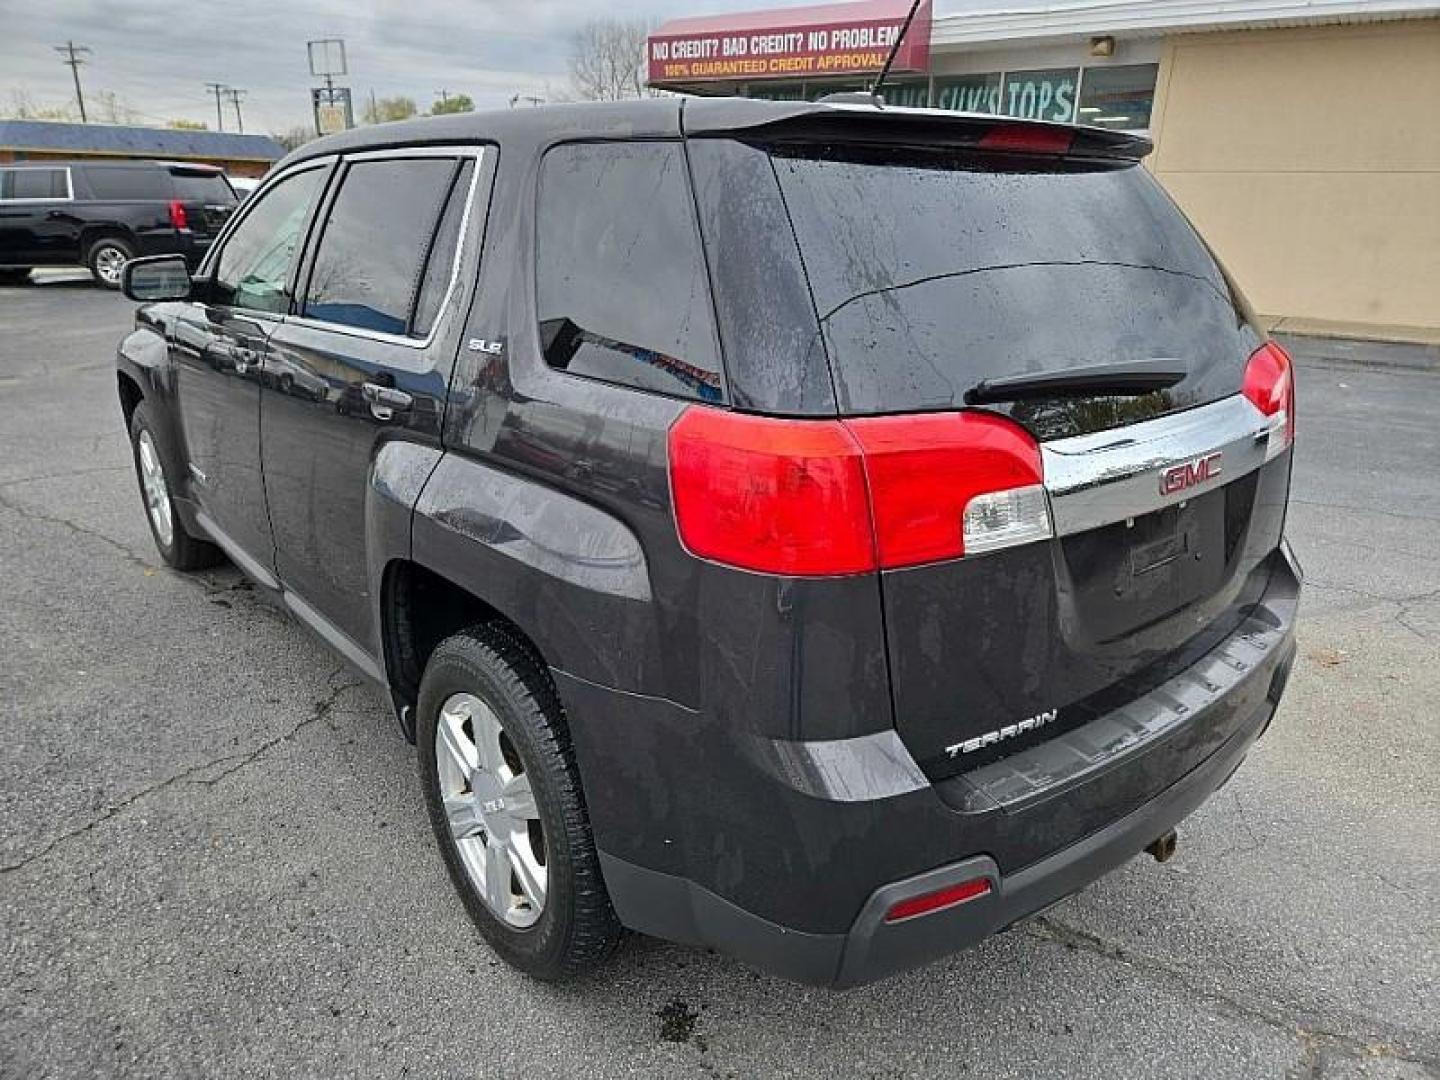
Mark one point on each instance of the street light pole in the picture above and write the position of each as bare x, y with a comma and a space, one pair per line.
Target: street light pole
73, 60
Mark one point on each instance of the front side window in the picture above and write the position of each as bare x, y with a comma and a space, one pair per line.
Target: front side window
254, 267
34, 184
369, 264
622, 290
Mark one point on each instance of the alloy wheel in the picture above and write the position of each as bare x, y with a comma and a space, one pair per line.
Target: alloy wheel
109, 261
157, 492
491, 809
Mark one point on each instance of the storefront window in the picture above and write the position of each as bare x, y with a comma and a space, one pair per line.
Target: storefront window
911, 94
969, 93
1118, 97
1041, 95
776, 91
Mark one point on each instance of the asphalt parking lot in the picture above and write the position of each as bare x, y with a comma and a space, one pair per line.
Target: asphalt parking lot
214, 859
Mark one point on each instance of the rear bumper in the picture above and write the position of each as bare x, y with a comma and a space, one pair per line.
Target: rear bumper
794, 871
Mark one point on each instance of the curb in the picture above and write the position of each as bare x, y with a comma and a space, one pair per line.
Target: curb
1361, 353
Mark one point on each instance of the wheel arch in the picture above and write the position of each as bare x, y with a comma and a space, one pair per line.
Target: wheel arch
420, 608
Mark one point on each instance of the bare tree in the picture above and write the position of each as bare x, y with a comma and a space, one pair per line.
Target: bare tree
607, 60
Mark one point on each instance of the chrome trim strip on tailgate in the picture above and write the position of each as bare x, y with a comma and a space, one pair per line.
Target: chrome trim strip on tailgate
1114, 475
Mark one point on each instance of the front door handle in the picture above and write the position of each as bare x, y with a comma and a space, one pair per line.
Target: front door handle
385, 401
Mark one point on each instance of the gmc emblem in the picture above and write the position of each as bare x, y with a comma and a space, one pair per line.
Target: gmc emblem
1189, 474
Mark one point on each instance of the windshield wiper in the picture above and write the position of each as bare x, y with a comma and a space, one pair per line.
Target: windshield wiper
1130, 378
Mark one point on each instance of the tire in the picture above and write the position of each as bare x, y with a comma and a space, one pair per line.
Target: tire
14, 275
287, 384
148, 447
106, 258
575, 927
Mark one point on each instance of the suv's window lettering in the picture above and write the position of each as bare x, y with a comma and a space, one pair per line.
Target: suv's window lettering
34, 184
119, 182
933, 271
623, 294
202, 186
367, 267
440, 266
254, 266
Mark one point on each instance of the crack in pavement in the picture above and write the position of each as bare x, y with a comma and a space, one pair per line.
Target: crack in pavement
31, 514
1312, 1037
63, 475
237, 761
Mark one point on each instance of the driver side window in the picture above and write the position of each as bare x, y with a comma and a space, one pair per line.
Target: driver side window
253, 271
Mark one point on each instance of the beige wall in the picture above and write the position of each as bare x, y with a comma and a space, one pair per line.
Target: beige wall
1310, 159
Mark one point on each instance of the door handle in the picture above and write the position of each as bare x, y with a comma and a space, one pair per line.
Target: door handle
385, 401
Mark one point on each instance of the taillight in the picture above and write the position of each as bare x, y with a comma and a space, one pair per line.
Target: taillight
944, 484
777, 496
178, 219
1270, 385
825, 497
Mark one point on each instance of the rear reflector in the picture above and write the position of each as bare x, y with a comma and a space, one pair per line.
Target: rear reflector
938, 900
830, 497
1270, 385
177, 215
1024, 138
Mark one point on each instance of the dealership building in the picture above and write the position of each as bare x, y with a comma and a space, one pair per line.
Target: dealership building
1301, 136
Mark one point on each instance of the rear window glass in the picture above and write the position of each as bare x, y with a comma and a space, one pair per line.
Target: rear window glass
202, 187
132, 183
934, 271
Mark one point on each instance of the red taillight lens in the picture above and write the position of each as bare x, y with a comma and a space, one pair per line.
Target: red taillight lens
827, 497
1270, 385
777, 496
924, 472
177, 215
942, 898
1027, 139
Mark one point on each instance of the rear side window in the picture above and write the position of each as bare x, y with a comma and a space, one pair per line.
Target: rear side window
622, 290
202, 186
367, 269
933, 271
33, 184
129, 183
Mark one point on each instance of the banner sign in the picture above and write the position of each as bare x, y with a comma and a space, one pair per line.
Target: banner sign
700, 50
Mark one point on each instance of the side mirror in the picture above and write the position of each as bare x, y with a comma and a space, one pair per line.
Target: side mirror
156, 277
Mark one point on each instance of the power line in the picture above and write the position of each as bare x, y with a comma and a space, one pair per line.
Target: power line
73, 60
235, 95
218, 89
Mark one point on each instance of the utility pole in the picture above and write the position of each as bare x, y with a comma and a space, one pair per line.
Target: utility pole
235, 95
444, 96
73, 60
218, 89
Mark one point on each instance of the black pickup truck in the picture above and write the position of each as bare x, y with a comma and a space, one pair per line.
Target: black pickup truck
102, 214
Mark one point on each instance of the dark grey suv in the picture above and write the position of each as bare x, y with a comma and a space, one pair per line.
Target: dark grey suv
824, 533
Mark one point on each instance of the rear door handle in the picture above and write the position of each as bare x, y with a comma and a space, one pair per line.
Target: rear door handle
385, 401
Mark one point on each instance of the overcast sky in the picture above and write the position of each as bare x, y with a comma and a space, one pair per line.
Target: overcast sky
156, 55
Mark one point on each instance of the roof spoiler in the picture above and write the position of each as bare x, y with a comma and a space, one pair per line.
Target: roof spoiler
844, 121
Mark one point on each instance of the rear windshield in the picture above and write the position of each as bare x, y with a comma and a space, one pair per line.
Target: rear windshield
932, 271
202, 187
